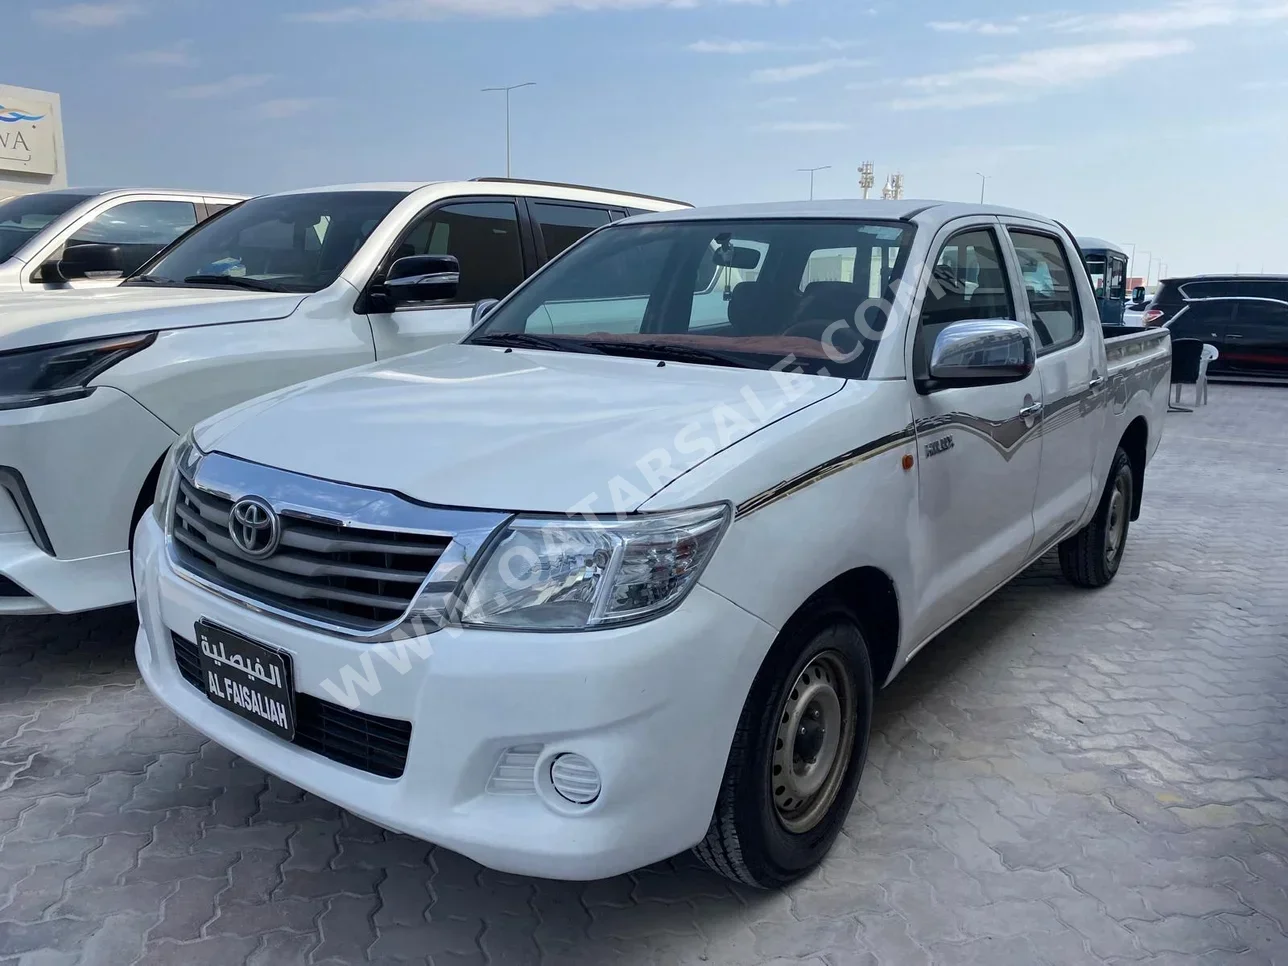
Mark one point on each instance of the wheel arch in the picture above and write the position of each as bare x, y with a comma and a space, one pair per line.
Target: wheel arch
1135, 443
144, 499
872, 596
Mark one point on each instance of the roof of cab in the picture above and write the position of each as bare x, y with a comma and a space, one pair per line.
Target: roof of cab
1090, 243
101, 192
922, 212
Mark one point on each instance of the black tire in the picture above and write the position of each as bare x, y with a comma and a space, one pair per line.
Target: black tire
748, 840
1091, 557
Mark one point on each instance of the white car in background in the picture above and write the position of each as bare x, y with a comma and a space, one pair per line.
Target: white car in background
78, 238
96, 386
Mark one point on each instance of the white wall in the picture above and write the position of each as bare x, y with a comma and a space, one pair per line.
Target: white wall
32, 154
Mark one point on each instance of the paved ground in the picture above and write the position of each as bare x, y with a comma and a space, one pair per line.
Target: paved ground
1064, 778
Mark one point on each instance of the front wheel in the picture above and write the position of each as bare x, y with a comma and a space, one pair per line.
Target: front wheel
1091, 557
797, 755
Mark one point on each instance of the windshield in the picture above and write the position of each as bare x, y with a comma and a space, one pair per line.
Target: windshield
283, 243
21, 218
811, 295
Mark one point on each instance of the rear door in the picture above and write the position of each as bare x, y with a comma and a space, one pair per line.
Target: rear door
1256, 341
1060, 311
1207, 318
487, 236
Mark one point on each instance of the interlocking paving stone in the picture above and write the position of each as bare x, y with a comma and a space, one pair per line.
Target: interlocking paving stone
1063, 778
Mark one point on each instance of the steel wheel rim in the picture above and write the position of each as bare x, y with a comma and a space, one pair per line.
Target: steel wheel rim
814, 742
1117, 529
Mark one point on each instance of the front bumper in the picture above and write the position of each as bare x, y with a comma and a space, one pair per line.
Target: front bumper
653, 707
82, 465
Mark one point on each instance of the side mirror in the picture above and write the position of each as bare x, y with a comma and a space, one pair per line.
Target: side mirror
481, 309
982, 351
93, 260
1138, 294
422, 278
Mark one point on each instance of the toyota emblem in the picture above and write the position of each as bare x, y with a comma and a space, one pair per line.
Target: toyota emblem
255, 527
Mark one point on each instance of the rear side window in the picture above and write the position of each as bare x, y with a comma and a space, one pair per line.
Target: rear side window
484, 238
1209, 289
1049, 286
562, 226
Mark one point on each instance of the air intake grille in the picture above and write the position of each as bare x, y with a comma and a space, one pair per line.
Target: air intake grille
359, 579
362, 741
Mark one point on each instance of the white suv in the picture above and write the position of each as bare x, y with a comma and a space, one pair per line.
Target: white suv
92, 238
96, 386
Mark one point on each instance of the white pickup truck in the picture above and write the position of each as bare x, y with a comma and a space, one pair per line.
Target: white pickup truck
95, 386
619, 575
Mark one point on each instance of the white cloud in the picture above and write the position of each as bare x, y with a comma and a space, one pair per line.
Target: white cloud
1185, 15
229, 85
986, 27
801, 127
280, 107
178, 54
795, 72
89, 14
495, 9
778, 101
730, 46
1032, 74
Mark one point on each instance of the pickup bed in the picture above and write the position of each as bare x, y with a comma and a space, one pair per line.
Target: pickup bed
620, 574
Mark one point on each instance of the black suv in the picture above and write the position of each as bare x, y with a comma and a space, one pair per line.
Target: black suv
1244, 316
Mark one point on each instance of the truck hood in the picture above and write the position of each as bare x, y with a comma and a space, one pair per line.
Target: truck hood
476, 426
46, 318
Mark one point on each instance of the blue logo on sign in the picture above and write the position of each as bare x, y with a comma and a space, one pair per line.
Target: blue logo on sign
13, 115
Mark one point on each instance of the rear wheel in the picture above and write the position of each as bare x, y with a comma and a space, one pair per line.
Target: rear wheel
1092, 556
797, 755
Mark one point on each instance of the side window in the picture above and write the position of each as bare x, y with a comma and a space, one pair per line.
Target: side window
1096, 269
484, 237
564, 225
1216, 289
1203, 320
829, 265
968, 282
1263, 315
1264, 288
1118, 278
1048, 283
141, 228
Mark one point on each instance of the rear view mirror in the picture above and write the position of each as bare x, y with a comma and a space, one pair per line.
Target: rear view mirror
86, 262
731, 256
982, 351
422, 278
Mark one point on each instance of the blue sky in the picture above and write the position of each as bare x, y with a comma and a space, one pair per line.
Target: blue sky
1163, 124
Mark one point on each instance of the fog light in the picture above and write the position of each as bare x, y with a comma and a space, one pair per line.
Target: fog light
575, 779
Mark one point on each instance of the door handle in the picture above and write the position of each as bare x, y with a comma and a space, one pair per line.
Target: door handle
1031, 412
1233, 337
1098, 381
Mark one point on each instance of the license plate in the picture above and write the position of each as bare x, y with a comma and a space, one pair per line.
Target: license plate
248, 679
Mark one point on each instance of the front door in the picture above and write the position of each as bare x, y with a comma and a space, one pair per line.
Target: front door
977, 447
1257, 341
485, 236
1060, 311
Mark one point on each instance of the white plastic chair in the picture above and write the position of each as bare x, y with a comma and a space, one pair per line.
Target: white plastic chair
1210, 354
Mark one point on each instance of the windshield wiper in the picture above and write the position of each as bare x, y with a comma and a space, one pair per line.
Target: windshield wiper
526, 340
668, 351
237, 281
149, 280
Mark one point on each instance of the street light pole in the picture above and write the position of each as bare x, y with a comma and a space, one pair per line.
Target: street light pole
507, 90
811, 172
983, 180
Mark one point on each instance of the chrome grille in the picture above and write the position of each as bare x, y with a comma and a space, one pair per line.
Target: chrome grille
358, 578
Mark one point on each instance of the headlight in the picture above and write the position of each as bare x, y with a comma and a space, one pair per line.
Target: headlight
571, 574
168, 482
49, 374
